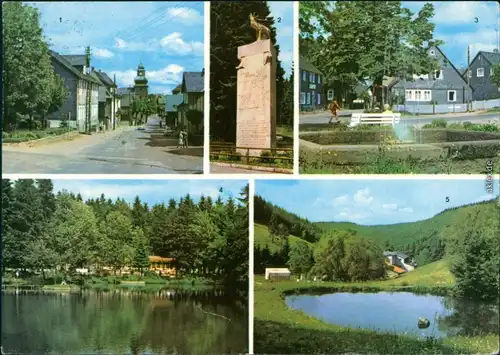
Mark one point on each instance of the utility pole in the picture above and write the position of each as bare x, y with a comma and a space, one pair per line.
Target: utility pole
468, 76
114, 102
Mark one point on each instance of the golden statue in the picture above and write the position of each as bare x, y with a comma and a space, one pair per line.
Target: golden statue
262, 31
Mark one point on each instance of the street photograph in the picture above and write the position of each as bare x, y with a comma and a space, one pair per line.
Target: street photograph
399, 87
125, 266
376, 266
103, 87
251, 87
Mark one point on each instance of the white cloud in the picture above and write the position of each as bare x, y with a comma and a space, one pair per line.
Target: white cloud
457, 12
406, 210
102, 53
341, 200
174, 43
185, 15
363, 197
390, 206
171, 74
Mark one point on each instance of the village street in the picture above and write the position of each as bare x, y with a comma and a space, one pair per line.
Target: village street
126, 150
324, 117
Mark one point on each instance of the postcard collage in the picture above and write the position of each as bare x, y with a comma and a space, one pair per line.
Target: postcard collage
250, 177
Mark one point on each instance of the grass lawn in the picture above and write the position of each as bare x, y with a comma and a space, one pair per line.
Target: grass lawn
26, 135
281, 330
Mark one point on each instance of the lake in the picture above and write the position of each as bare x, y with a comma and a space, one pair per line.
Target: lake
124, 321
398, 312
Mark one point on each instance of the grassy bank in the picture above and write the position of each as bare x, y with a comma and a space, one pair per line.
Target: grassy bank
281, 330
26, 135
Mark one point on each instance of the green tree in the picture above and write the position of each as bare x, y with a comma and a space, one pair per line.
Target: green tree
495, 78
27, 69
301, 258
141, 250
389, 40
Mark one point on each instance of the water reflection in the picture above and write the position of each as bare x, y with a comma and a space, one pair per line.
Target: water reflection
124, 321
398, 312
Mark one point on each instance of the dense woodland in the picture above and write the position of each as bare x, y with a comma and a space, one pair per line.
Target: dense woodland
229, 29
45, 230
467, 236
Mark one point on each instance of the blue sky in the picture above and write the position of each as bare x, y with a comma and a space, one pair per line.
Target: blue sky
283, 10
456, 26
371, 202
167, 36
152, 191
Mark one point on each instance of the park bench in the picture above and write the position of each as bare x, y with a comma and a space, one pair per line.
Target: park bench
375, 118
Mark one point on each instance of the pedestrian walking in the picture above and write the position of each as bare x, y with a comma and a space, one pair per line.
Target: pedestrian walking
185, 139
180, 142
334, 109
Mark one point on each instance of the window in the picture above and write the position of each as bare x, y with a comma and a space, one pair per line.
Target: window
304, 75
313, 97
308, 98
418, 95
470, 73
330, 95
319, 79
452, 95
432, 52
438, 74
480, 72
422, 76
302, 98
491, 71
311, 78
319, 99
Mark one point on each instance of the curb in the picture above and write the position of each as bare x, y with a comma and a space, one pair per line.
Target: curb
257, 168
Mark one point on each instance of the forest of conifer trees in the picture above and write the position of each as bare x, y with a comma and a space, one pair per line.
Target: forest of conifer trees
43, 229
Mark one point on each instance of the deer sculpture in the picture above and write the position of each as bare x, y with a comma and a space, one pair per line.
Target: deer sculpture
262, 31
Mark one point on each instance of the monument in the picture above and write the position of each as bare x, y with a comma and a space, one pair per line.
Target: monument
256, 93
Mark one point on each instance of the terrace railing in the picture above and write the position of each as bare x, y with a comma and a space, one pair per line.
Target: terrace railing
229, 152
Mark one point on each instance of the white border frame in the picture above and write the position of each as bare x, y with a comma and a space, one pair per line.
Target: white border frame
296, 88
206, 89
251, 192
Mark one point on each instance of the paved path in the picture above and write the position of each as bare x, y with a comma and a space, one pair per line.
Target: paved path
124, 151
324, 117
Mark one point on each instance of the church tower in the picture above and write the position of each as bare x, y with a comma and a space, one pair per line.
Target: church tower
141, 83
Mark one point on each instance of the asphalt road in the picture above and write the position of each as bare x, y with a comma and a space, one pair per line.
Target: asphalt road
124, 151
324, 117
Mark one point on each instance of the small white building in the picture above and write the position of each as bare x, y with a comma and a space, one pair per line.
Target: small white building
401, 260
278, 274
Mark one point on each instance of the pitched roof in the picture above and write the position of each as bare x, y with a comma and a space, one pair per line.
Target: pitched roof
75, 59
492, 57
172, 101
193, 81
104, 78
395, 253
307, 65
65, 63
124, 91
177, 89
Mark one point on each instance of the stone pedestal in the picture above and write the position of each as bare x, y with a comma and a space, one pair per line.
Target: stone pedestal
256, 98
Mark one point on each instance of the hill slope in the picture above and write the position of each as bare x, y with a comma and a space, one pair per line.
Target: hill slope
262, 237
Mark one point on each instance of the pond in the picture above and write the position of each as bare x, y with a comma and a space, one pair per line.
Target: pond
398, 312
124, 322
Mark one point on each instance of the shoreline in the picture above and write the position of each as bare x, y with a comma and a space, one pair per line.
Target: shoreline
281, 329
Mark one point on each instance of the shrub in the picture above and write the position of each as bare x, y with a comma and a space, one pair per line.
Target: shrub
441, 123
